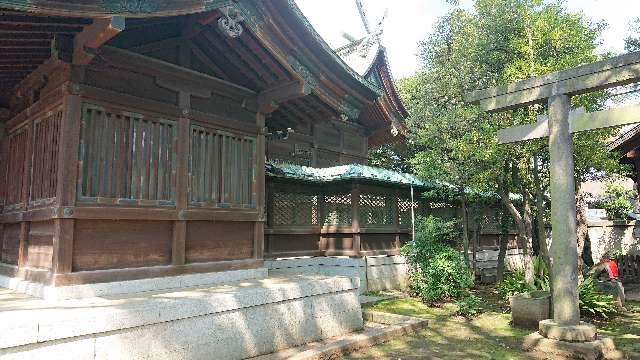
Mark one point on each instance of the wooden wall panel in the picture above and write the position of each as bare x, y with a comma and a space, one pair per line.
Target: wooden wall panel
280, 243
40, 245
327, 158
338, 242
126, 156
110, 77
354, 143
15, 167
377, 242
46, 134
223, 107
218, 241
221, 169
10, 244
108, 244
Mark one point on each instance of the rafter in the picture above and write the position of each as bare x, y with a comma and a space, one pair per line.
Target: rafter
95, 35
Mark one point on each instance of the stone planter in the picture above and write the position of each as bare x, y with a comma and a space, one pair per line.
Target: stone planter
527, 310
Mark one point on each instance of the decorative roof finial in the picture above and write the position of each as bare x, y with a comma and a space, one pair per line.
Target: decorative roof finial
364, 44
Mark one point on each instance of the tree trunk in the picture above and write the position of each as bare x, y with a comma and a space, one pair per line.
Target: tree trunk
524, 233
582, 228
529, 274
503, 243
465, 227
542, 232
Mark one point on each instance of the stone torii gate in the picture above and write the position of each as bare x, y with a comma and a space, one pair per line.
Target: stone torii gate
556, 89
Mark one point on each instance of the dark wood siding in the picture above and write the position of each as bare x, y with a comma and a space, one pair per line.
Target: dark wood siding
107, 244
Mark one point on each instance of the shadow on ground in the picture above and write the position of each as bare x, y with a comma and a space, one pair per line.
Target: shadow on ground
488, 336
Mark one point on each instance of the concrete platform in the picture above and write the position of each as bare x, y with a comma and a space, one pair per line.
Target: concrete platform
131, 286
234, 321
376, 273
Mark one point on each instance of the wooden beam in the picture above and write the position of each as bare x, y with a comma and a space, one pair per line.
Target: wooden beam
281, 93
621, 70
95, 35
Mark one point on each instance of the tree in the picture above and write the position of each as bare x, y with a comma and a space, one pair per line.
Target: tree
499, 42
632, 43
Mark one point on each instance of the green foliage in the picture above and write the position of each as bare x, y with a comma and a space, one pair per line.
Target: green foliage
514, 284
617, 201
593, 302
632, 43
499, 42
540, 274
468, 305
391, 156
438, 271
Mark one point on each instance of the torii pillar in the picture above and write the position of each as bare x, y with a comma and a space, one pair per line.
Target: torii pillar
556, 90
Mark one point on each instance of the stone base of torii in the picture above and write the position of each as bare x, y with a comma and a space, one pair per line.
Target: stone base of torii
565, 335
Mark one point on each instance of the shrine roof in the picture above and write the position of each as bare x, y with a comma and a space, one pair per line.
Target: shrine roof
344, 173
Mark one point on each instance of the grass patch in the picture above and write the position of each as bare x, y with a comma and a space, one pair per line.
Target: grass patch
624, 328
487, 336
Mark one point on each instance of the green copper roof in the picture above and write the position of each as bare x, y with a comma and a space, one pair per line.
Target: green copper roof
343, 173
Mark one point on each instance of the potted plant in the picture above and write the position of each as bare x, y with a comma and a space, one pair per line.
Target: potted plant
530, 303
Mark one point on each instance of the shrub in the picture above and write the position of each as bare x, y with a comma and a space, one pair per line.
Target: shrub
540, 273
438, 272
593, 302
617, 201
514, 284
468, 305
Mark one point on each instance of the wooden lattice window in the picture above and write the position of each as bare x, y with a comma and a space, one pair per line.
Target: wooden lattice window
294, 209
404, 210
221, 169
337, 209
126, 156
46, 134
16, 157
376, 209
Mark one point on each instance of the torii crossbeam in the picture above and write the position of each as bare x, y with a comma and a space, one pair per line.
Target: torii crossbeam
556, 89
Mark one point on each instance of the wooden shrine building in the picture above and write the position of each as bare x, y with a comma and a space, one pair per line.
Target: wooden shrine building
134, 135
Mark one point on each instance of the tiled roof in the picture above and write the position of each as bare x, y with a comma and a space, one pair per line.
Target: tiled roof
344, 173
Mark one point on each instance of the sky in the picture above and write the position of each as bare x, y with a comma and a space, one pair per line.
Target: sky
410, 21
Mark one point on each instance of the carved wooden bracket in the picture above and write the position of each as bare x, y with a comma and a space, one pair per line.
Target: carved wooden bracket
95, 35
269, 99
230, 22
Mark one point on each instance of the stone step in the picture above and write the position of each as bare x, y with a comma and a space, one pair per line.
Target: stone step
379, 328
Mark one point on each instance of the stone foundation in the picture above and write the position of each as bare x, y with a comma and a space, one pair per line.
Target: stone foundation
376, 273
233, 321
131, 286
571, 342
601, 348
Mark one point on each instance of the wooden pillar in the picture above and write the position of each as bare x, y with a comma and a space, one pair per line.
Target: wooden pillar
395, 212
69, 140
259, 184
3, 180
178, 244
23, 245
322, 241
355, 217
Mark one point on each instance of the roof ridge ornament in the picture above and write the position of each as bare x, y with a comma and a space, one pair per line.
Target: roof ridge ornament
372, 37
230, 22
